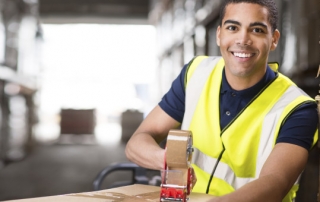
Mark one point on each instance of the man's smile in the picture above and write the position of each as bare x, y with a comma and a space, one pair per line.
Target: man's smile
243, 55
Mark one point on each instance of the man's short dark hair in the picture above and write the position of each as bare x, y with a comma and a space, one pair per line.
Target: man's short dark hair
269, 4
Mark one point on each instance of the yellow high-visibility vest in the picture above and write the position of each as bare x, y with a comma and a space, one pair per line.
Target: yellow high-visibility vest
237, 152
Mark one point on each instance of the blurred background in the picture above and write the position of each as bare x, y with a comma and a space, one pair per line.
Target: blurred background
78, 76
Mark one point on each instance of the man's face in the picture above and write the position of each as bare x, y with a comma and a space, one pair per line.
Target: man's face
245, 39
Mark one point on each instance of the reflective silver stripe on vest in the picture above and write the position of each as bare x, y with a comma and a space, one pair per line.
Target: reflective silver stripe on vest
205, 162
223, 171
267, 140
196, 82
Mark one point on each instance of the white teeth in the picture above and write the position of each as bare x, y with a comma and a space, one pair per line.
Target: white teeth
242, 55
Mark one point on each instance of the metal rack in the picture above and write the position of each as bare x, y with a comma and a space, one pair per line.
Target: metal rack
19, 73
186, 28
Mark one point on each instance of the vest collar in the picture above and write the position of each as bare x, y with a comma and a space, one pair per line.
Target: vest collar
249, 92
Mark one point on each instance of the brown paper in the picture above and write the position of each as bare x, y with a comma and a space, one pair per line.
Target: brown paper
131, 193
119, 197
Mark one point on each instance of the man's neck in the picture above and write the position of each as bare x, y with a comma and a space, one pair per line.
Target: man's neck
241, 83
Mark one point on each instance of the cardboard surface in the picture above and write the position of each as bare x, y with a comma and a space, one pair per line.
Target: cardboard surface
131, 193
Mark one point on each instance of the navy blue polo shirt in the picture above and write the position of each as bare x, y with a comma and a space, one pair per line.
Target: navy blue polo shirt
298, 129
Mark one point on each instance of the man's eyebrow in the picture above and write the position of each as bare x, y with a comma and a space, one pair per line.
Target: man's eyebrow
251, 24
258, 24
231, 22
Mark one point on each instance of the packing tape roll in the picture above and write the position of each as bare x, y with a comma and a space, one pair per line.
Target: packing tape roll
177, 153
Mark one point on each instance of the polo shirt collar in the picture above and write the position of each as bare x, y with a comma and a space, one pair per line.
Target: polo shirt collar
249, 92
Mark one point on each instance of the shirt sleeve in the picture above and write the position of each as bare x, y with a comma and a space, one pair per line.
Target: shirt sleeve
173, 102
300, 126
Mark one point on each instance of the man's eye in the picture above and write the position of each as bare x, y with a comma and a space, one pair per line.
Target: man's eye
232, 28
258, 30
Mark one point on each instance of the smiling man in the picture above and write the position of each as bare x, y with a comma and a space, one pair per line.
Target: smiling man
252, 126
245, 37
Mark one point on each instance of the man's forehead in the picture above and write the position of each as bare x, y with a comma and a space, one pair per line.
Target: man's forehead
246, 12
249, 7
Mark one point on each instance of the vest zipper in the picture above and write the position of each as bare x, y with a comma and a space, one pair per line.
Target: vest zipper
214, 169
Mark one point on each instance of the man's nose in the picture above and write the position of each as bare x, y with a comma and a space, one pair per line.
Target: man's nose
243, 38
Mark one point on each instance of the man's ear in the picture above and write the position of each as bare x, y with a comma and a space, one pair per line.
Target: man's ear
218, 36
275, 39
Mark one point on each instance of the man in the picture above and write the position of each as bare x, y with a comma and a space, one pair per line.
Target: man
252, 127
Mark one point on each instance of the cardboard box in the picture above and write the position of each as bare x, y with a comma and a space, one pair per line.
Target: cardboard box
77, 121
131, 193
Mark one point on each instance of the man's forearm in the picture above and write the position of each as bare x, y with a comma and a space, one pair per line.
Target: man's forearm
143, 147
143, 150
269, 188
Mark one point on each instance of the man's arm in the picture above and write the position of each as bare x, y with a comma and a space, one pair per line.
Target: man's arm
143, 147
277, 176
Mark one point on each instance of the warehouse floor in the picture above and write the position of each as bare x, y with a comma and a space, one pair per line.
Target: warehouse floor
67, 166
